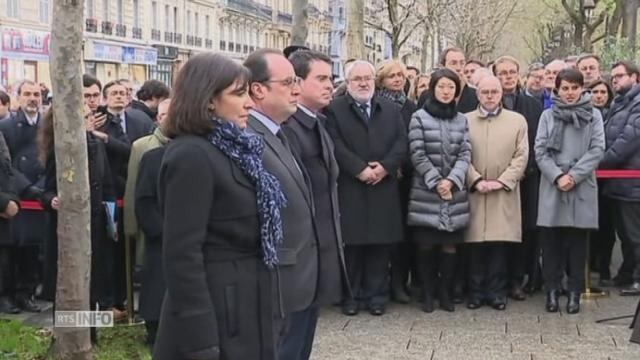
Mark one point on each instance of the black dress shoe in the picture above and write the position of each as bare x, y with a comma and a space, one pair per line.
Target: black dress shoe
573, 304
350, 308
376, 310
458, 295
7, 306
29, 304
622, 280
498, 303
517, 293
474, 304
552, 301
427, 304
633, 290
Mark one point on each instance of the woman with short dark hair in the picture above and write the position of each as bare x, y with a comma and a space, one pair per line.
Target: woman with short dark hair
438, 203
601, 96
569, 145
222, 224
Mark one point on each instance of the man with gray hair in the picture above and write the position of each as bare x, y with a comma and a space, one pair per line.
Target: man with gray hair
370, 145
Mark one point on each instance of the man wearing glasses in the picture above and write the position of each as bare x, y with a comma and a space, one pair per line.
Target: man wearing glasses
622, 132
274, 89
370, 145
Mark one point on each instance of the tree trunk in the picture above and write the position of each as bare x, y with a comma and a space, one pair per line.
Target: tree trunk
74, 234
577, 35
424, 52
615, 20
300, 29
355, 29
629, 22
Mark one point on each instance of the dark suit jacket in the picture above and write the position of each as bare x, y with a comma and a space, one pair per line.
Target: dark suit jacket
119, 145
221, 300
369, 214
7, 188
298, 254
313, 146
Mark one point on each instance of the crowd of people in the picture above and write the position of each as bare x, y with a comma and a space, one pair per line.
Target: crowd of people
255, 194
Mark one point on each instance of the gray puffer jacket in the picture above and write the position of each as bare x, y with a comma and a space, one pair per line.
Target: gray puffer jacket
440, 149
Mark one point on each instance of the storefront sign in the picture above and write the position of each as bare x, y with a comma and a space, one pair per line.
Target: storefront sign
24, 44
141, 56
98, 51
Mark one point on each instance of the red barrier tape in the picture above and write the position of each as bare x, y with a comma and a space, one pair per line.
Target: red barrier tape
35, 205
601, 174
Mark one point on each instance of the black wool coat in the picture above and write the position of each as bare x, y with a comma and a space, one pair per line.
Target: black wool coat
531, 109
221, 302
149, 216
7, 188
29, 226
100, 190
370, 214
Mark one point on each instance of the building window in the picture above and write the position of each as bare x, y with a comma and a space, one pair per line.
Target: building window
120, 12
189, 25
207, 27
105, 10
12, 9
45, 7
136, 13
89, 9
221, 31
175, 19
154, 14
167, 18
196, 24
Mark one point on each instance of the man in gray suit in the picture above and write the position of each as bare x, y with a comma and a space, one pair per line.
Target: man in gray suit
274, 88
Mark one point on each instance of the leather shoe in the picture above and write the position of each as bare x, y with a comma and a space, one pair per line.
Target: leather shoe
633, 290
517, 293
28, 303
498, 303
376, 310
474, 304
573, 304
552, 301
350, 308
622, 280
7, 306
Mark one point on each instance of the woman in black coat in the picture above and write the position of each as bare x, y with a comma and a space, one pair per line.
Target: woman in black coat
101, 191
149, 218
390, 82
222, 226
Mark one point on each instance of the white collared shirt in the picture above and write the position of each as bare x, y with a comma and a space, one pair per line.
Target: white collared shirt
307, 111
32, 121
266, 121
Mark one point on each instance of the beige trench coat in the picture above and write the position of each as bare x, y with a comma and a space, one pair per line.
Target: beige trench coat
500, 149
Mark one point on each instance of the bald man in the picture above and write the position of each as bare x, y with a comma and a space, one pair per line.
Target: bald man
500, 148
550, 72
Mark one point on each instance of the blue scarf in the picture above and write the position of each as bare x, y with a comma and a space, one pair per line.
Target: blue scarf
245, 150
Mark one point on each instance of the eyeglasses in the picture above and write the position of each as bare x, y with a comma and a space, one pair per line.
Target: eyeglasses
288, 82
92, 96
618, 76
360, 79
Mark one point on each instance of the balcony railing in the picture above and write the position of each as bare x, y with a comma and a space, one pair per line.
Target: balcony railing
156, 34
238, 48
136, 32
168, 37
177, 38
285, 17
107, 27
223, 45
121, 30
91, 25
190, 40
198, 41
208, 43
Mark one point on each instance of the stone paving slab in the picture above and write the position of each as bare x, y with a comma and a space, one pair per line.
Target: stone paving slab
525, 331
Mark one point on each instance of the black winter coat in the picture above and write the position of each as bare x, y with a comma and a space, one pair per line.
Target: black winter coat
149, 216
29, 226
221, 300
7, 188
369, 214
100, 190
622, 132
531, 109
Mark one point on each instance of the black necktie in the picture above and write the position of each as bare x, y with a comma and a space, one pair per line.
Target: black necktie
364, 108
283, 139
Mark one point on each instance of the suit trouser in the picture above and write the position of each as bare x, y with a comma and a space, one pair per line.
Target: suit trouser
603, 239
487, 270
522, 257
627, 223
562, 246
300, 331
368, 270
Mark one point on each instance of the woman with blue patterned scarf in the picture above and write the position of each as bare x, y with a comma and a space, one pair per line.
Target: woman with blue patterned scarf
222, 224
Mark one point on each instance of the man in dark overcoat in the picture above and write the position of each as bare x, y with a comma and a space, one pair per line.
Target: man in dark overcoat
122, 127
28, 228
313, 147
370, 145
523, 258
9, 207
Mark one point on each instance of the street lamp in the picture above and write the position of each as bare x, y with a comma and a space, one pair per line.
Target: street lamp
588, 6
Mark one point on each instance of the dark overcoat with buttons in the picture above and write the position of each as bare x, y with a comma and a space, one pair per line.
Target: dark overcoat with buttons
7, 190
28, 227
370, 214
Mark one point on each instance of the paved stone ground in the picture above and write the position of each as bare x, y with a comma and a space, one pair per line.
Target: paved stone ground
523, 331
